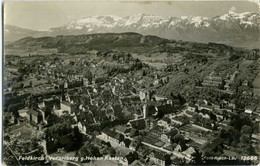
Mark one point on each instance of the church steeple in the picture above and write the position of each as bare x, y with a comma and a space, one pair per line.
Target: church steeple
145, 112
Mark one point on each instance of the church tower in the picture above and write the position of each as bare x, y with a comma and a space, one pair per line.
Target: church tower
145, 112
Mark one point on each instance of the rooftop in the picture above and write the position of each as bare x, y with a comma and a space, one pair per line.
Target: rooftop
33, 112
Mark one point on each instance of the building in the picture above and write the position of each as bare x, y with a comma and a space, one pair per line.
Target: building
65, 106
166, 137
189, 152
35, 116
250, 109
213, 144
191, 107
144, 94
82, 128
112, 136
158, 158
23, 113
145, 111
164, 124
245, 83
212, 81
133, 146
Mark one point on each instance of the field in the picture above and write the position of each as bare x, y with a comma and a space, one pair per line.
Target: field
27, 52
25, 130
158, 60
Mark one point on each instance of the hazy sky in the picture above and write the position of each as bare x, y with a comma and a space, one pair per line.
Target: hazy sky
45, 15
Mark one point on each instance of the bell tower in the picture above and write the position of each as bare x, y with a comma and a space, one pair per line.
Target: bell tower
145, 112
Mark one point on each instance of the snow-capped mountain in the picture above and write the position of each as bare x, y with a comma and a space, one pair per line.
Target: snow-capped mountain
232, 28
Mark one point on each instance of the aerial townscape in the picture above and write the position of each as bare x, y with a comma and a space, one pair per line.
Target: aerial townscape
129, 99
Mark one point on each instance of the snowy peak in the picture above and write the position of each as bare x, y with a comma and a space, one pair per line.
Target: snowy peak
229, 28
141, 21
232, 28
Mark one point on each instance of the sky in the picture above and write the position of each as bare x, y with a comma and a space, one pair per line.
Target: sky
46, 15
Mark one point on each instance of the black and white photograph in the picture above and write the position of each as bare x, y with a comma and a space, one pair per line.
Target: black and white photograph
130, 83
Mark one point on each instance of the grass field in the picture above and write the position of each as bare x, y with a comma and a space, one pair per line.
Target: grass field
27, 52
24, 129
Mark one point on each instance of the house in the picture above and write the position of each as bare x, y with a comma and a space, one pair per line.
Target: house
191, 107
133, 146
162, 122
122, 130
142, 95
204, 115
139, 124
166, 137
110, 135
250, 109
10, 116
82, 127
189, 152
123, 161
255, 138
178, 148
137, 163
165, 123
256, 85
159, 158
23, 113
213, 144
133, 132
245, 83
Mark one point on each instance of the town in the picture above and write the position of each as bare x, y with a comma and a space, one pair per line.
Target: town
194, 109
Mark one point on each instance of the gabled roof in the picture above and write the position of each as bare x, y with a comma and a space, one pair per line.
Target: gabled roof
133, 132
159, 155
172, 133
34, 112
213, 143
111, 133
66, 103
133, 144
122, 129
171, 147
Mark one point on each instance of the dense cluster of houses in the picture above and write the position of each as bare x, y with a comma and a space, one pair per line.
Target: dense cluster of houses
100, 100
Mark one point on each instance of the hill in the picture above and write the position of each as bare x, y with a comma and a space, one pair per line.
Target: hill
75, 44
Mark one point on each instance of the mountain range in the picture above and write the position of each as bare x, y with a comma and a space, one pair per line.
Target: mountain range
236, 29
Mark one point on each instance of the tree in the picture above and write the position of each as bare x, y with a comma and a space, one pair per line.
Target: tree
144, 73
112, 151
225, 114
132, 156
245, 139
52, 119
178, 138
240, 120
246, 130
196, 157
185, 119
